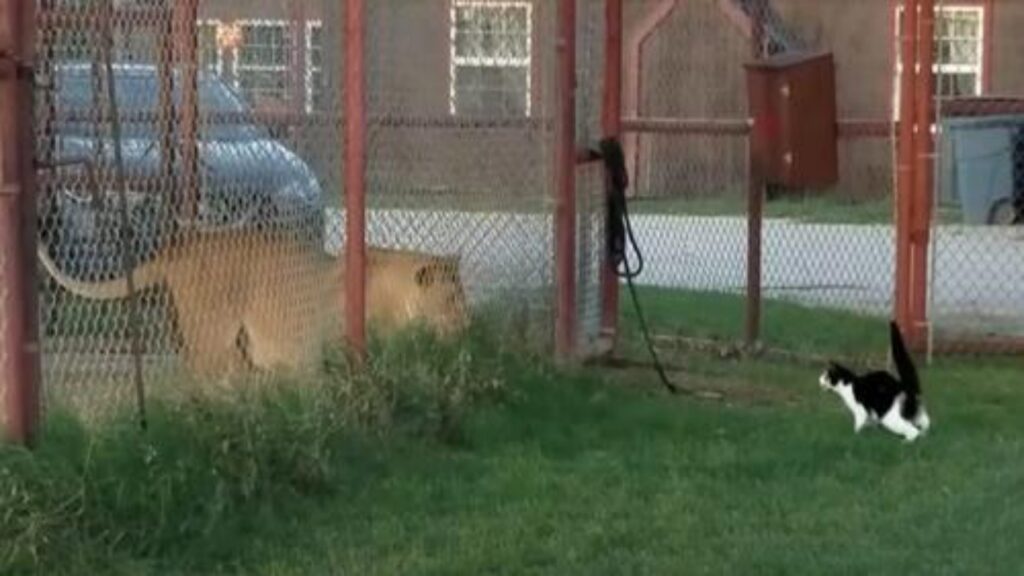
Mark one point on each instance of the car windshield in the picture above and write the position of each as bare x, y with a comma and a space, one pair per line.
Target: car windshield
138, 92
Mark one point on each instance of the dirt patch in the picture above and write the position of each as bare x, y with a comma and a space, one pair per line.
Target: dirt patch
729, 391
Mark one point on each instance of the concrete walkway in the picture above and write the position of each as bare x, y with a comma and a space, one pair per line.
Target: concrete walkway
978, 271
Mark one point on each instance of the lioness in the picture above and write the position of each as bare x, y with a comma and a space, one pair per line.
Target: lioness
285, 296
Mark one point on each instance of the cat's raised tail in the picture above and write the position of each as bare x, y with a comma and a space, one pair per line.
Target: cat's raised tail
904, 363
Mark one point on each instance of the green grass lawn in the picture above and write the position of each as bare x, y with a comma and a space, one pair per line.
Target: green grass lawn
593, 475
595, 471
785, 325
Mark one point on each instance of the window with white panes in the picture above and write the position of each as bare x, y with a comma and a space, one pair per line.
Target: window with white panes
490, 58
959, 47
314, 67
208, 51
262, 60
959, 59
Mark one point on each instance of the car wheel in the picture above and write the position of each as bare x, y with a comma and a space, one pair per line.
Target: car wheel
1003, 213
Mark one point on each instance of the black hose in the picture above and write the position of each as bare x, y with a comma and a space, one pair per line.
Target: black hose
619, 232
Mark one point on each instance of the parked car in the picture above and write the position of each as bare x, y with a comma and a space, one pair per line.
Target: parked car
246, 177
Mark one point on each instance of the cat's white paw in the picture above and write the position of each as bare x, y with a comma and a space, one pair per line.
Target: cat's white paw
923, 422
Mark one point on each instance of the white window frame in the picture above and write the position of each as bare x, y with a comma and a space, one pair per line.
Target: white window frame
310, 26
286, 24
937, 67
977, 69
219, 62
456, 61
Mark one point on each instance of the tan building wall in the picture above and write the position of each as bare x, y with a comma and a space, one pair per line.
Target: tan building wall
408, 61
1007, 48
861, 37
692, 67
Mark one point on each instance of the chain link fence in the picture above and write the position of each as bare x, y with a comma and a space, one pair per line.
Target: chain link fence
138, 162
685, 115
591, 51
827, 248
142, 160
834, 248
976, 300
459, 157
143, 170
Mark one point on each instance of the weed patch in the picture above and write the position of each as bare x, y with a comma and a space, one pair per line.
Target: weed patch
89, 494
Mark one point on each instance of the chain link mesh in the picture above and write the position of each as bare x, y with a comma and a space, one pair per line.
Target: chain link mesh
824, 248
460, 104
688, 186
977, 265
832, 248
461, 101
87, 360
590, 183
460, 143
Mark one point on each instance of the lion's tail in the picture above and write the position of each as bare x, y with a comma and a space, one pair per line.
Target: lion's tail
144, 276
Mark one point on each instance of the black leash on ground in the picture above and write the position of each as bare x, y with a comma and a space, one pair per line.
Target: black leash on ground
619, 233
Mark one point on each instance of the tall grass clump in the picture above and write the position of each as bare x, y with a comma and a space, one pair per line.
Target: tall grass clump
93, 495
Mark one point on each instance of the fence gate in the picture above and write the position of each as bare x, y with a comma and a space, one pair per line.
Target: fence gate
687, 122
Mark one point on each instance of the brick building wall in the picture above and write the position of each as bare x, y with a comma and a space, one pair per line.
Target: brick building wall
692, 67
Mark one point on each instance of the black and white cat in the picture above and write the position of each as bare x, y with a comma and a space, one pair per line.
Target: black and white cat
881, 398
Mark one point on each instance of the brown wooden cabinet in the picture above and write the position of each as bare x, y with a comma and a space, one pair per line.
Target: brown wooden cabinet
793, 106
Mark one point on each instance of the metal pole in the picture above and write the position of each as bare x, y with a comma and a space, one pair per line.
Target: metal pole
924, 178
165, 100
19, 330
905, 170
611, 124
355, 176
126, 233
565, 170
185, 14
755, 203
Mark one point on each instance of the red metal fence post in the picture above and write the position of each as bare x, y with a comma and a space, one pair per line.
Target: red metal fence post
355, 176
19, 330
611, 124
565, 186
905, 170
165, 94
924, 179
187, 62
755, 202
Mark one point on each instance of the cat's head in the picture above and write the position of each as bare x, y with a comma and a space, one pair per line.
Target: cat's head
834, 376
